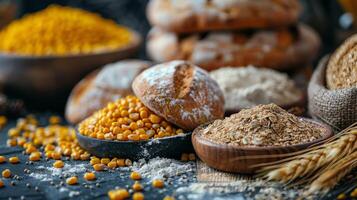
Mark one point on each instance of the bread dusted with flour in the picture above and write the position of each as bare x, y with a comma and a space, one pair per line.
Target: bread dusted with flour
101, 87
185, 16
282, 49
181, 93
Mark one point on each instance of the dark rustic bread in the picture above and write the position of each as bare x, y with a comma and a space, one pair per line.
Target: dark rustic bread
281, 49
186, 16
180, 92
102, 86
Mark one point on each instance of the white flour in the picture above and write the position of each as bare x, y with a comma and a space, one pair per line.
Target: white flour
159, 168
246, 87
47, 173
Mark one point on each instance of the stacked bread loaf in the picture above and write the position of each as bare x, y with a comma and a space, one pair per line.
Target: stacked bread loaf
216, 33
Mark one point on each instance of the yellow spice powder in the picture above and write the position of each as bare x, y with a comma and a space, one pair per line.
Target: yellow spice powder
59, 30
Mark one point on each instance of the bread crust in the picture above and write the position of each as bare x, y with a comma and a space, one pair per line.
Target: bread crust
187, 16
101, 87
281, 49
180, 92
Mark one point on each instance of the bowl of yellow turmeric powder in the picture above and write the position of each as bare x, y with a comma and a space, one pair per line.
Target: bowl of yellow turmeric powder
44, 54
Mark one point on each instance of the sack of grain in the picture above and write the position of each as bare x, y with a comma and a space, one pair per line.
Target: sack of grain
338, 108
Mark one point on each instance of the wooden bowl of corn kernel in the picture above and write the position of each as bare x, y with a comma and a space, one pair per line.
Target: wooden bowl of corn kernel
41, 60
167, 147
127, 128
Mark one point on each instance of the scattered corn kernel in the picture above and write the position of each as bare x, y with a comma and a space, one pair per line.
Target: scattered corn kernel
158, 183
354, 193
35, 156
118, 194
184, 157
191, 157
94, 161
6, 173
135, 176
138, 196
89, 176
1, 184
121, 162
98, 167
168, 198
54, 120
105, 161
11, 142
56, 155
2, 159
72, 180
137, 186
112, 164
341, 196
58, 164
14, 160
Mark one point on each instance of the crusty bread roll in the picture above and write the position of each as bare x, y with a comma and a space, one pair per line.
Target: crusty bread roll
281, 49
102, 86
186, 16
181, 93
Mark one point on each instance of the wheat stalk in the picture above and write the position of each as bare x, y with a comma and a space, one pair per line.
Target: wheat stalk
310, 161
328, 178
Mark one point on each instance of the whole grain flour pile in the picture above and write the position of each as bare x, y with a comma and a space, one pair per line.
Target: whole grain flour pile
263, 125
246, 87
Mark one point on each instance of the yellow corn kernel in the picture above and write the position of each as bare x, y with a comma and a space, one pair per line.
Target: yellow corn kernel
14, 160
119, 194
2, 159
154, 119
137, 186
54, 120
85, 156
56, 155
72, 180
13, 132
94, 161
6, 173
133, 137
168, 198
30, 149
49, 147
89, 176
1, 184
105, 161
121, 163
35, 156
354, 193
58, 164
75, 155
11, 142
135, 176
98, 167
341, 196
112, 164
158, 183
184, 157
138, 196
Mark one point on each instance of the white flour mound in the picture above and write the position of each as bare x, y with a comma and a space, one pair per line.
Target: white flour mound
159, 168
246, 87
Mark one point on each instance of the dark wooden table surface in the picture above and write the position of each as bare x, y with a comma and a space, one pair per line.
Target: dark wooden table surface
48, 185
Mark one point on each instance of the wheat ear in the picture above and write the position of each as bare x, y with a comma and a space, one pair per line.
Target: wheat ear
318, 158
331, 176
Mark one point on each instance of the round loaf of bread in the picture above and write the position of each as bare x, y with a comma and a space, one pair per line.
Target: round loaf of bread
281, 49
341, 69
187, 16
100, 87
180, 92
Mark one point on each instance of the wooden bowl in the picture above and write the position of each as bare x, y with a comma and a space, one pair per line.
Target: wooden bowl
231, 158
168, 147
48, 77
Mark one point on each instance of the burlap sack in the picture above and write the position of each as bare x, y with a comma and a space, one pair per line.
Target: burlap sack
338, 108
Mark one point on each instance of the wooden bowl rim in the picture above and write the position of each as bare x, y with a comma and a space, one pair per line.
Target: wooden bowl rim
298, 102
133, 142
135, 43
327, 133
